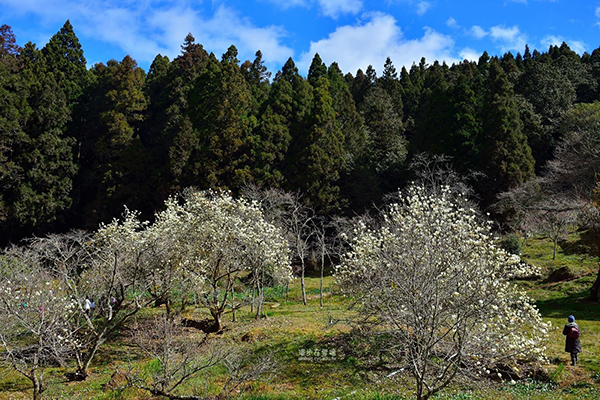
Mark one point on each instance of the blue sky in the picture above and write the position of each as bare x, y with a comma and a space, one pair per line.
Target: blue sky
354, 33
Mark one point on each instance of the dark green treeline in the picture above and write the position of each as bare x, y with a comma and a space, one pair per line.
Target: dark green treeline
78, 144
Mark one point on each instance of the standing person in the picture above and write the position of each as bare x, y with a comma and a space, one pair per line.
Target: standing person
87, 305
572, 344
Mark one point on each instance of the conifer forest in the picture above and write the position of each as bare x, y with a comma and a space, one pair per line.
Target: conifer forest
78, 144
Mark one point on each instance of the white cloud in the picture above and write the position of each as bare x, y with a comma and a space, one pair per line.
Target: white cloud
551, 40
598, 12
507, 39
469, 54
329, 8
226, 28
451, 23
334, 8
144, 29
371, 42
477, 32
423, 7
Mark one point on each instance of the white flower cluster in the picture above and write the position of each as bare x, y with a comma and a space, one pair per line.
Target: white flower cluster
433, 275
211, 231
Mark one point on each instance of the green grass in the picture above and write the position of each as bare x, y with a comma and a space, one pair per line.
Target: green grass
292, 330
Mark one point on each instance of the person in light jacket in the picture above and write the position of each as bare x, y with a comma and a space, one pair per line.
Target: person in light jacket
572, 345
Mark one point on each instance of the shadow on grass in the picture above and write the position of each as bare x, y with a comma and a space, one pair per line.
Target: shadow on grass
585, 244
572, 304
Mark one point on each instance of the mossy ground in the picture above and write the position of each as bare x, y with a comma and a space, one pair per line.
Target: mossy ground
300, 335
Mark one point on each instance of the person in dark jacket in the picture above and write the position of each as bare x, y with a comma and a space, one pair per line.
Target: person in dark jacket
572, 345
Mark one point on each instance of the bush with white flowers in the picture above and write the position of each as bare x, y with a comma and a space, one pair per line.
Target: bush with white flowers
431, 282
213, 241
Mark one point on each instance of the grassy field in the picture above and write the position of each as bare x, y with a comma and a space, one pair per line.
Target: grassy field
295, 333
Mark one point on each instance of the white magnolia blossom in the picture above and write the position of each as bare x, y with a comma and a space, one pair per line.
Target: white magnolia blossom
211, 239
434, 280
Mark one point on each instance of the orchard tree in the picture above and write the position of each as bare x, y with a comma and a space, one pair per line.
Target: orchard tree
176, 358
217, 240
34, 313
108, 267
431, 283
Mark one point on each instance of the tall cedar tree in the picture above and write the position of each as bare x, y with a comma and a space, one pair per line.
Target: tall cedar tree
320, 153
351, 124
257, 78
274, 130
298, 120
64, 57
317, 70
155, 132
505, 156
431, 131
220, 112
272, 135
391, 84
38, 173
13, 115
113, 159
168, 131
347, 116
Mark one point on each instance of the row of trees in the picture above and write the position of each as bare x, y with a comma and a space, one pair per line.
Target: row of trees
195, 253
428, 280
77, 144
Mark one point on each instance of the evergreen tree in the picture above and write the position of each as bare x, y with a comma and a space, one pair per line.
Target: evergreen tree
320, 153
385, 151
113, 158
220, 110
64, 57
505, 155
548, 90
347, 116
298, 120
359, 87
272, 136
317, 70
36, 157
431, 131
13, 115
579, 74
167, 125
257, 78
391, 84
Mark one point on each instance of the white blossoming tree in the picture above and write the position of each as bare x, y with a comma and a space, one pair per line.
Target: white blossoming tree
215, 240
431, 283
34, 314
109, 268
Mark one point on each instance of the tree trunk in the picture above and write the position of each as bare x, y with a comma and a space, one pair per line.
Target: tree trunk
38, 386
554, 249
321, 283
595, 288
217, 324
252, 297
232, 307
260, 290
302, 283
